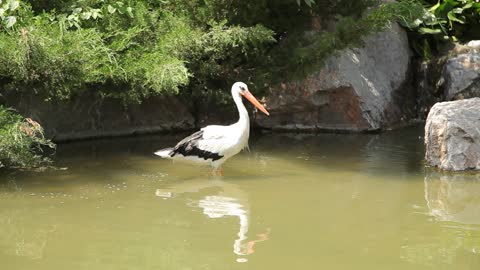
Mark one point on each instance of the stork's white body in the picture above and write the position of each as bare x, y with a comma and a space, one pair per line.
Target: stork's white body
215, 144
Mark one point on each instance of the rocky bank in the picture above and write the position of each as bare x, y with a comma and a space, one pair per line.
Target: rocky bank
87, 116
361, 89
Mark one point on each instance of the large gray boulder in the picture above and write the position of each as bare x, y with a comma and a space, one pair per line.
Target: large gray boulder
452, 135
462, 76
88, 116
360, 89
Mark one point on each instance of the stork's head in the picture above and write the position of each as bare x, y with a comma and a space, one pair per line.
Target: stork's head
240, 88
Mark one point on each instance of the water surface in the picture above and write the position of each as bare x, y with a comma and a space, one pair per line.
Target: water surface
293, 202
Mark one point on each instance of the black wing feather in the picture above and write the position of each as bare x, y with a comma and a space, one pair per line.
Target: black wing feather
189, 147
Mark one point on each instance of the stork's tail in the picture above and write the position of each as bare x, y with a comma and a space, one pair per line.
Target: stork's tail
164, 153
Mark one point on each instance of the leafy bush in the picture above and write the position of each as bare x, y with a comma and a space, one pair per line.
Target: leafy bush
21, 141
122, 49
452, 19
439, 22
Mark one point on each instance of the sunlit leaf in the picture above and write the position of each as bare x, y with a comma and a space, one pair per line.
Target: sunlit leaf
96, 13
467, 6
121, 10
14, 5
452, 18
86, 15
9, 21
430, 31
111, 9
129, 12
433, 8
309, 2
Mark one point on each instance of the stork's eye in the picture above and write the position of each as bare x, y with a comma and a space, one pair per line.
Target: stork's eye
242, 88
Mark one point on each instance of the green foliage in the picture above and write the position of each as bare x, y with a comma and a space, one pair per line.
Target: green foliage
21, 141
436, 22
44, 57
8, 14
121, 49
452, 19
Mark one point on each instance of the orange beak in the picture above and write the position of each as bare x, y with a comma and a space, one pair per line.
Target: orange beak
255, 102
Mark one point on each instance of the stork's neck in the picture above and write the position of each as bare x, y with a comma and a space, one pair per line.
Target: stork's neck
242, 111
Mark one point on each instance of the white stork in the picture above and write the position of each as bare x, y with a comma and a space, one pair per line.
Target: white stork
214, 144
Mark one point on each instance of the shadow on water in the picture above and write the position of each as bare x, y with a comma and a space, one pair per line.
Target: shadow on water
386, 153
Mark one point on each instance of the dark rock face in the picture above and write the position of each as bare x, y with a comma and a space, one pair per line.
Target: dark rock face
454, 75
332, 109
462, 76
88, 116
452, 135
361, 89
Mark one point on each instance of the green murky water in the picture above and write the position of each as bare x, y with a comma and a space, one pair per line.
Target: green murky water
293, 202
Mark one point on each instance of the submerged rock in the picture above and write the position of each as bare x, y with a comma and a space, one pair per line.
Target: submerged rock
452, 135
361, 89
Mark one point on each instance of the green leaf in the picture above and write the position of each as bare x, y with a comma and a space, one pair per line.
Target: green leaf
129, 12
452, 18
14, 5
429, 31
433, 8
309, 2
111, 9
2, 11
9, 21
121, 10
467, 6
86, 15
96, 13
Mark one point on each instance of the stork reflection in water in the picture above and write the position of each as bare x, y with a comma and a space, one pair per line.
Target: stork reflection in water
233, 201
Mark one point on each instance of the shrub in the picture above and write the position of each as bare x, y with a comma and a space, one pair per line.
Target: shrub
21, 141
122, 49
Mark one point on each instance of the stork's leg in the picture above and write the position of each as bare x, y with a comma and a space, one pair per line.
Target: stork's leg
217, 171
